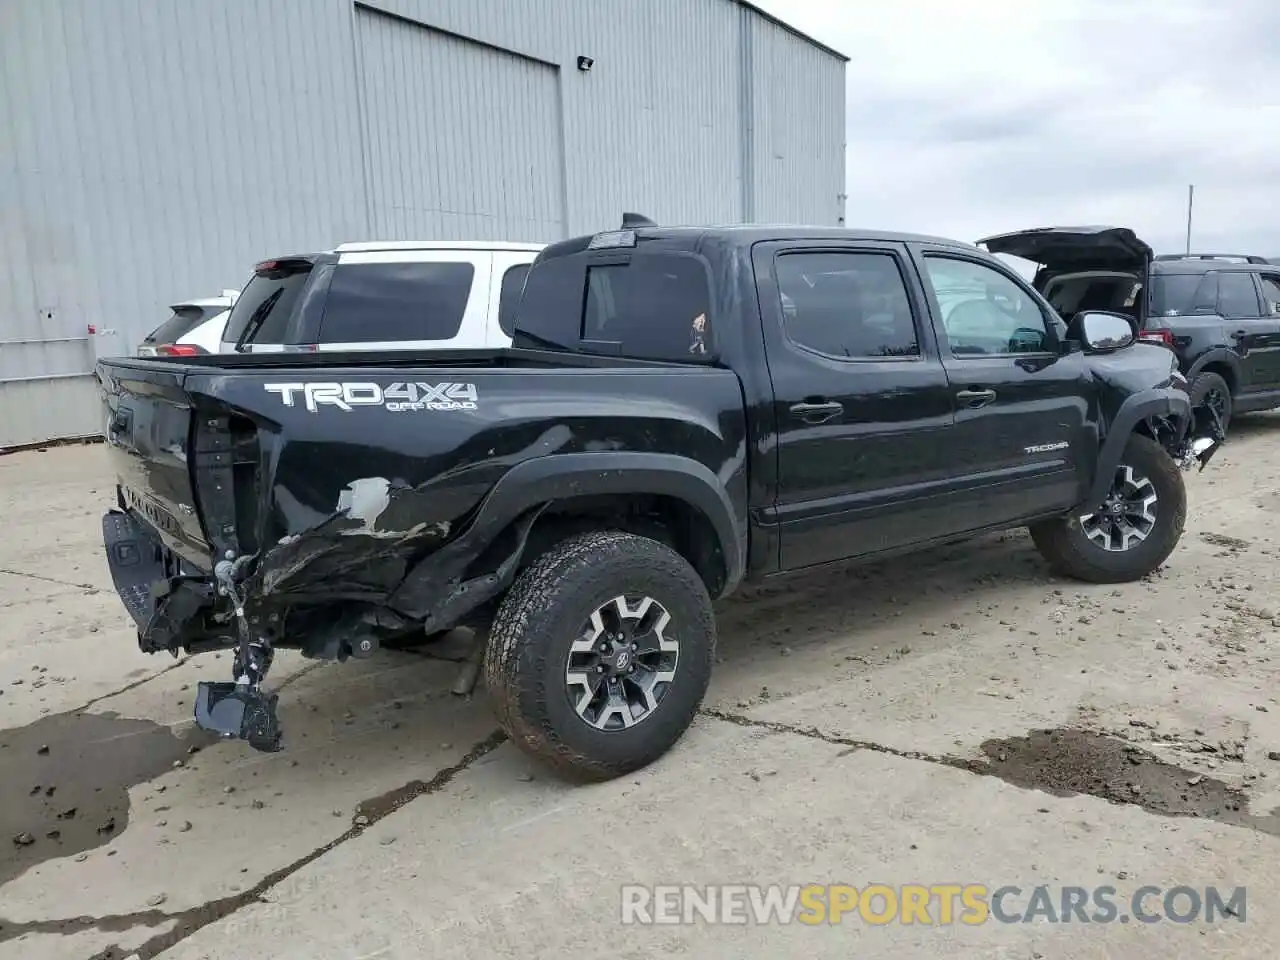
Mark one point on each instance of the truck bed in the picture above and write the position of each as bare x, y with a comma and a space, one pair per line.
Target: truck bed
341, 472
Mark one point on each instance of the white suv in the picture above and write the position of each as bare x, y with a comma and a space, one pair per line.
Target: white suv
195, 327
382, 295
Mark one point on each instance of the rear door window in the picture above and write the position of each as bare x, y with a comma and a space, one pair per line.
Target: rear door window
1270, 295
389, 302
1237, 296
848, 305
267, 304
1184, 294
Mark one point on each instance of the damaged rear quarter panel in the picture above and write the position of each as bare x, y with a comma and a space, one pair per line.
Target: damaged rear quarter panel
351, 496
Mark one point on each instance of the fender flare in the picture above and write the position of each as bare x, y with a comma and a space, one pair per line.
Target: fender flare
1221, 355
1170, 402
542, 480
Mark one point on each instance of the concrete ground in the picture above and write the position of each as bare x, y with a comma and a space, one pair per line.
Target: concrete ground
956, 717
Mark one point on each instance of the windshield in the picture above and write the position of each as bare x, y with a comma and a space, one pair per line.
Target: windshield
267, 303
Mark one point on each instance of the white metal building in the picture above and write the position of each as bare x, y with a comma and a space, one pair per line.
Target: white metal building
153, 151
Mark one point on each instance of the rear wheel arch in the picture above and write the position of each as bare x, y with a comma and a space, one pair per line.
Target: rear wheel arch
1221, 364
671, 520
672, 499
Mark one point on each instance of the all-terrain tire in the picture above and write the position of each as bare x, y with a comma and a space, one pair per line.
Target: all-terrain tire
1064, 543
1210, 384
547, 609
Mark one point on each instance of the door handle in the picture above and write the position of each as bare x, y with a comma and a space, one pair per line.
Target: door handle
1239, 334
817, 411
975, 398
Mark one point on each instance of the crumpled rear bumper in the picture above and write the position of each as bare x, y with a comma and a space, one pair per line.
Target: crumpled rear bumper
167, 601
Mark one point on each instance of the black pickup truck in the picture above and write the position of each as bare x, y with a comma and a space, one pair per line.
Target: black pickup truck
682, 409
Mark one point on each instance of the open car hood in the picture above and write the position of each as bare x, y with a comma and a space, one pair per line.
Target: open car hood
1062, 249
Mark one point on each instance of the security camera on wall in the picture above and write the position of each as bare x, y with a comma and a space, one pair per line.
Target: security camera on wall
585, 64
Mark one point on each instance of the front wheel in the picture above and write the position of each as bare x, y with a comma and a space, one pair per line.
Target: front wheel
601, 653
1135, 530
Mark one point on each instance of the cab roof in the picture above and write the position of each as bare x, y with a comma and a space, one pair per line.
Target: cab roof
365, 246
741, 235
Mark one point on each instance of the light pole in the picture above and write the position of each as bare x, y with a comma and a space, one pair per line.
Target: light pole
1191, 196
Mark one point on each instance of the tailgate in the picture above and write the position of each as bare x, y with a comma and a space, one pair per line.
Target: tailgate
148, 425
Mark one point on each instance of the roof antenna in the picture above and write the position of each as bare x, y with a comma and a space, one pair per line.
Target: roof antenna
632, 220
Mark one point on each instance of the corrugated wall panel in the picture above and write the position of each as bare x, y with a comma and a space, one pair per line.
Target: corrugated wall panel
160, 148
655, 125
463, 139
153, 151
58, 357
798, 151
33, 411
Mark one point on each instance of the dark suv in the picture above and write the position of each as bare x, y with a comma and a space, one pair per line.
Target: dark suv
1221, 316
1220, 313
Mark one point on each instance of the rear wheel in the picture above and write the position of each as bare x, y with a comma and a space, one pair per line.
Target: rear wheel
1134, 531
1211, 390
601, 653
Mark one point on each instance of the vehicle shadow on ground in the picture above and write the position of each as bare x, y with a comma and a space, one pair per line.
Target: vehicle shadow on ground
364, 737
1253, 425
873, 613
365, 721
402, 697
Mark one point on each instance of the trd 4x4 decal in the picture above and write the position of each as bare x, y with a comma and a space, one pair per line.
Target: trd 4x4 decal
396, 397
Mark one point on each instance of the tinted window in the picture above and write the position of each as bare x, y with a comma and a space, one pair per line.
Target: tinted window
509, 298
183, 321
984, 312
396, 301
267, 303
851, 305
1237, 296
1180, 294
1270, 294
653, 307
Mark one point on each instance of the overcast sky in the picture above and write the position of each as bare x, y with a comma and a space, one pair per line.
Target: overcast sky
972, 117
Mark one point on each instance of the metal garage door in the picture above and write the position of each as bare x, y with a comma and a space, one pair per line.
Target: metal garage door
462, 141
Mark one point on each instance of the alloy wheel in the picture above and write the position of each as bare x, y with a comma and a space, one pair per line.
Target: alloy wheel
623, 663
1128, 514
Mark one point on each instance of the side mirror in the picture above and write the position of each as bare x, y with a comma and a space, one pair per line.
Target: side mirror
1103, 332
